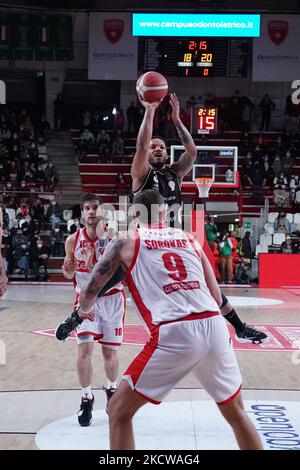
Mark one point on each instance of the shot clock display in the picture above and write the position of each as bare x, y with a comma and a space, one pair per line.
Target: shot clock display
206, 120
195, 58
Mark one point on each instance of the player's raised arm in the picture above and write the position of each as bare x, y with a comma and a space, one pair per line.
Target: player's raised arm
3, 277
186, 160
119, 252
140, 165
69, 265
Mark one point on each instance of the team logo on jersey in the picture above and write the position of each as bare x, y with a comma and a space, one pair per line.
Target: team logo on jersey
278, 31
171, 185
82, 245
155, 182
113, 30
100, 247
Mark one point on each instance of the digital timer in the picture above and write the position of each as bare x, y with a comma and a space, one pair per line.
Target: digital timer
206, 120
195, 58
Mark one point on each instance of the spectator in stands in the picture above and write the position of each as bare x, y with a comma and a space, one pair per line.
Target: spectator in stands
103, 143
20, 253
281, 223
257, 179
12, 171
51, 174
87, 138
245, 249
96, 123
5, 218
54, 213
247, 165
43, 127
287, 247
266, 107
133, 117
247, 111
243, 273
118, 145
211, 231
268, 170
86, 118
75, 226
5, 133
120, 120
39, 255
39, 175
29, 227
246, 142
6, 248
3, 171
25, 173
277, 166
280, 181
287, 163
225, 248
38, 212
58, 111
28, 125
57, 241
23, 211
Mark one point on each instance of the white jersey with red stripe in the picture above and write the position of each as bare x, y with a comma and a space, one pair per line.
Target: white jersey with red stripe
83, 272
166, 278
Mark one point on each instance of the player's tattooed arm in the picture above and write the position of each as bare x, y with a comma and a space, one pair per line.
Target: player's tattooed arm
186, 160
101, 274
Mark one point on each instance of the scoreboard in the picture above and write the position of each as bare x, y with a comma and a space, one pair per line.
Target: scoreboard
196, 57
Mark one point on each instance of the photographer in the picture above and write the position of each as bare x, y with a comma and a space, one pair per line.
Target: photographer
243, 273
39, 255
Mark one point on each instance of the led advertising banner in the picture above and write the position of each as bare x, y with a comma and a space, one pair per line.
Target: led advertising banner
188, 24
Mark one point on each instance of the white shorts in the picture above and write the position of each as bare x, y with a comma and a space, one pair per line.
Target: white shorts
201, 346
108, 326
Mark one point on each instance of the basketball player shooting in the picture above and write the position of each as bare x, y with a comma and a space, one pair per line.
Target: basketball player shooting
149, 171
176, 294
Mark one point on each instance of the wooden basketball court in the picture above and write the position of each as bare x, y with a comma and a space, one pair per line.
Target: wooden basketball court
39, 384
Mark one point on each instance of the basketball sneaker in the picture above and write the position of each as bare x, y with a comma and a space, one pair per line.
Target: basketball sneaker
85, 412
109, 393
250, 334
66, 327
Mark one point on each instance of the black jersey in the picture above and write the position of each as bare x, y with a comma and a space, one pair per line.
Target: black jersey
166, 182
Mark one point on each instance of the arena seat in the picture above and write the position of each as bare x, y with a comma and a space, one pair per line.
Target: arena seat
278, 238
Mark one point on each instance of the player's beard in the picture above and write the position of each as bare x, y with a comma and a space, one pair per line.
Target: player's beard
157, 164
92, 223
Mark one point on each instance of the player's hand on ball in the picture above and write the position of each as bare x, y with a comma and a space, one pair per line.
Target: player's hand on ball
147, 105
91, 316
175, 107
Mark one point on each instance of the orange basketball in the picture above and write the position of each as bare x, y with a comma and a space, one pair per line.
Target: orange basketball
152, 86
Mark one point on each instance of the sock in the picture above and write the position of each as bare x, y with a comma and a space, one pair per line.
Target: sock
233, 318
111, 384
87, 392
